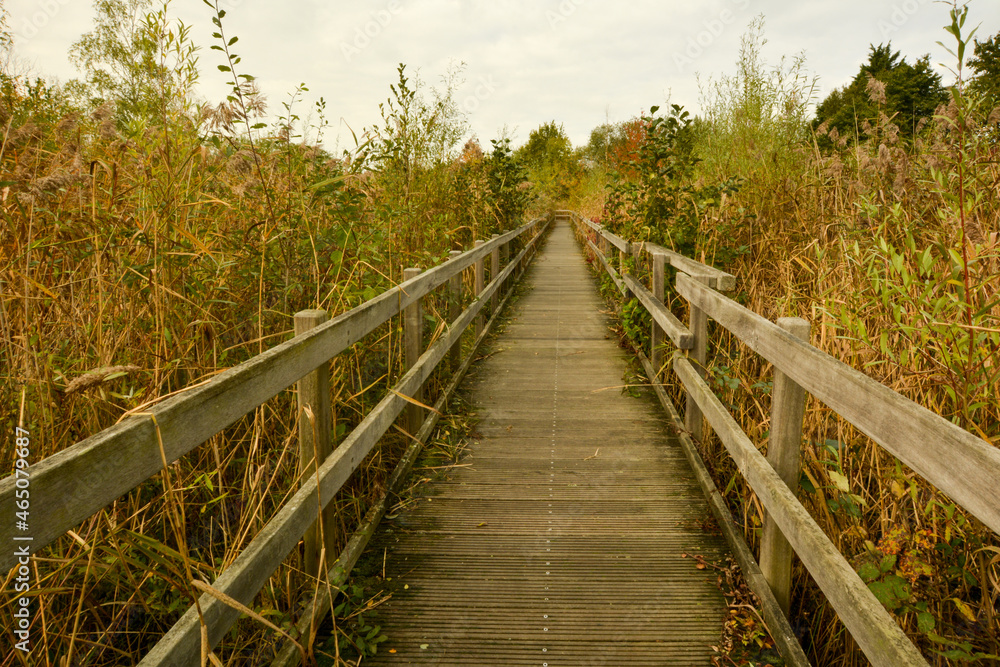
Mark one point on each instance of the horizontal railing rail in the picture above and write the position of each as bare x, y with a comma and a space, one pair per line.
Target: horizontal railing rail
72, 485
955, 461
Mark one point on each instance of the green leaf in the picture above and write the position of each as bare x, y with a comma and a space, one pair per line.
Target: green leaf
887, 564
869, 572
925, 622
840, 481
224, 68
888, 593
965, 610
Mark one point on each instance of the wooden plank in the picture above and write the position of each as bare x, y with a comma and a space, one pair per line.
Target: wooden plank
314, 416
478, 290
504, 257
454, 309
413, 326
788, 404
698, 354
584, 567
871, 626
494, 270
719, 280
319, 606
665, 320
955, 461
73, 484
255, 564
777, 622
656, 352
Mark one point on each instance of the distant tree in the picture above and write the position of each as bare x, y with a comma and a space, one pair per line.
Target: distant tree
506, 179
911, 92
617, 145
985, 63
547, 146
135, 58
552, 164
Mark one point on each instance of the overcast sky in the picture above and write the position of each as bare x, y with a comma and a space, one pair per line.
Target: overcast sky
578, 62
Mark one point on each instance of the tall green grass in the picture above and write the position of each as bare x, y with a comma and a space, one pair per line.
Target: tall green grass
889, 247
149, 242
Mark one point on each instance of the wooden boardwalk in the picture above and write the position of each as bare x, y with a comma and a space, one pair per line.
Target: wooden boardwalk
562, 541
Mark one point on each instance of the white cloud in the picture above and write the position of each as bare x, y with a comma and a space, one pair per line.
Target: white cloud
574, 61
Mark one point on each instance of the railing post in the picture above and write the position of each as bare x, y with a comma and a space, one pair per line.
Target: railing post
413, 342
698, 324
494, 271
504, 261
658, 337
314, 443
622, 256
454, 310
788, 402
479, 290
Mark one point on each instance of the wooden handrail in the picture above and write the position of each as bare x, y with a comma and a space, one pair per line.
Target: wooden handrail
616, 241
878, 635
716, 279
678, 333
719, 280
73, 484
608, 268
955, 461
247, 574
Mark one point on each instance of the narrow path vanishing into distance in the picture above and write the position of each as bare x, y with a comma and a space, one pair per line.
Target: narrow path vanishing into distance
566, 536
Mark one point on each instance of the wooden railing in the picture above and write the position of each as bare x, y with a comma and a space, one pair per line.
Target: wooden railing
955, 461
74, 484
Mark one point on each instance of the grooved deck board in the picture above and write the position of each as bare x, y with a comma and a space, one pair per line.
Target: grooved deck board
561, 537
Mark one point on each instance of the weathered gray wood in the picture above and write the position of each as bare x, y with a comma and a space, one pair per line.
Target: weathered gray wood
317, 609
698, 325
479, 279
454, 310
871, 626
788, 404
777, 623
71, 485
494, 270
413, 326
608, 268
504, 257
955, 461
621, 593
251, 569
581, 222
719, 280
656, 352
615, 240
663, 319
314, 410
